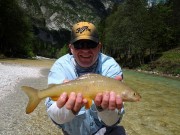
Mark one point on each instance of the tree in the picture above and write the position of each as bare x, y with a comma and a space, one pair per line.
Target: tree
16, 31
124, 30
136, 32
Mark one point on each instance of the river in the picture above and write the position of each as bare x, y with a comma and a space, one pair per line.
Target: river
158, 113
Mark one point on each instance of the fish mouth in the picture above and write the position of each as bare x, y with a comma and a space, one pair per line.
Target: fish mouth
138, 99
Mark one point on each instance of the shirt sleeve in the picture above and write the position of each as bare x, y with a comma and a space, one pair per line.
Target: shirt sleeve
56, 74
109, 67
60, 115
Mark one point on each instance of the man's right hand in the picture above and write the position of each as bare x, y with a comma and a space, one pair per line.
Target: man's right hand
73, 101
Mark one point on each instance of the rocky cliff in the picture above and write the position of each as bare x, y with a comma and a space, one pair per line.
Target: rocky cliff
62, 14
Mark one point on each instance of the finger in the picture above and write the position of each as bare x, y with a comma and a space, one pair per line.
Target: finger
62, 100
71, 101
118, 77
112, 101
85, 101
105, 100
78, 103
119, 102
98, 99
65, 81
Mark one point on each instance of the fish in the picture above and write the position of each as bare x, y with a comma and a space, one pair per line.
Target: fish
89, 85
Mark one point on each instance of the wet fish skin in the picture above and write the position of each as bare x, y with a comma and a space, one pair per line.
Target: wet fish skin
89, 85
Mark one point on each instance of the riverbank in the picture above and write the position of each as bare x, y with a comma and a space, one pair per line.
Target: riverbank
158, 73
45, 63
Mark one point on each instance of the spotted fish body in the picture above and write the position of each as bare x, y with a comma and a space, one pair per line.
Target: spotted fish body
89, 85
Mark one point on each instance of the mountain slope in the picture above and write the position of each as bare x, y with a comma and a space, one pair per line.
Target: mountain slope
58, 14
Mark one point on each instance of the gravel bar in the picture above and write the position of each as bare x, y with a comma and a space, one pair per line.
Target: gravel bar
13, 101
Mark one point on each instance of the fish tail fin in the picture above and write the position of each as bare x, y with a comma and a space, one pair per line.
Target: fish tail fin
34, 100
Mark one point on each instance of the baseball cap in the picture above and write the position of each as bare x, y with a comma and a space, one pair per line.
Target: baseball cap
84, 30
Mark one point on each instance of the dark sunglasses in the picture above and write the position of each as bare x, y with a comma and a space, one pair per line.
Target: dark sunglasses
85, 44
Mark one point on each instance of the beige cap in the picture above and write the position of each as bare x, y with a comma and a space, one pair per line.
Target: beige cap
84, 30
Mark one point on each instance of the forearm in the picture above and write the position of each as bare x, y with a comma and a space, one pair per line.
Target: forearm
111, 117
60, 115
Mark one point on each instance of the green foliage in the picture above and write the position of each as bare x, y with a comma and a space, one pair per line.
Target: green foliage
172, 55
123, 35
50, 48
168, 63
62, 51
135, 32
16, 31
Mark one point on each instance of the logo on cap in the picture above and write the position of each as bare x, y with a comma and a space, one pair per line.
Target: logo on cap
82, 29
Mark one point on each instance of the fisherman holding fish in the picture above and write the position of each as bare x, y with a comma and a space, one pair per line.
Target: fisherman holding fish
69, 111
85, 94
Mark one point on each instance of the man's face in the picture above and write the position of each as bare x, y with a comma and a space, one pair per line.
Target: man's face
85, 52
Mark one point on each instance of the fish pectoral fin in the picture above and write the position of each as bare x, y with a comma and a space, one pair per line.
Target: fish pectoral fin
89, 103
54, 98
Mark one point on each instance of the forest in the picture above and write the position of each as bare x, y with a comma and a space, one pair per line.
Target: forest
134, 32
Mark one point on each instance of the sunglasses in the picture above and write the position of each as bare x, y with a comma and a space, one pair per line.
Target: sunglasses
85, 44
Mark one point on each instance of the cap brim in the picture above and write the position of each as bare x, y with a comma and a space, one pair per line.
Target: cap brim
85, 37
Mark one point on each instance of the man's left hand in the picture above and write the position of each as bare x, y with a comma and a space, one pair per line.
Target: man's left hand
109, 100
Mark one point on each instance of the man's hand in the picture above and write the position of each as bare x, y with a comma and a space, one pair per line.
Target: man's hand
109, 100
119, 78
73, 102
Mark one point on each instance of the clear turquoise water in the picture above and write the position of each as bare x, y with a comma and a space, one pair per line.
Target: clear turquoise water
158, 113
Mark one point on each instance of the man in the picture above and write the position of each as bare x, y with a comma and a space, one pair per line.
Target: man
68, 111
